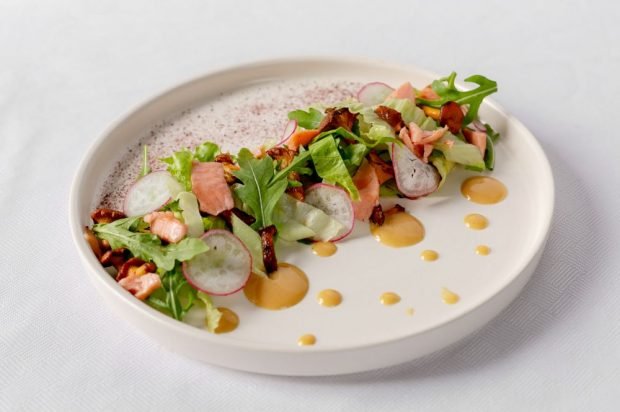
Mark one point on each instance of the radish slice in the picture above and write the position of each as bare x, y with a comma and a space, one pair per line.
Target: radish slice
289, 129
414, 178
334, 202
224, 268
374, 93
150, 193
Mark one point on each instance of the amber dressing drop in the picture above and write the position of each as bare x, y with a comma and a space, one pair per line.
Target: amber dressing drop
285, 287
306, 340
429, 255
399, 230
389, 298
329, 298
449, 297
228, 322
484, 190
475, 221
324, 249
482, 250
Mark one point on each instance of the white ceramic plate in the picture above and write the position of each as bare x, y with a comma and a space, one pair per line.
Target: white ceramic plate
360, 334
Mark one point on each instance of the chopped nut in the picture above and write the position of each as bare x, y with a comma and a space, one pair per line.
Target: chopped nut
92, 240
391, 116
135, 267
106, 215
377, 217
452, 116
114, 258
269, 253
432, 112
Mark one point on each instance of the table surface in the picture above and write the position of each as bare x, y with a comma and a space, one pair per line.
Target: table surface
68, 68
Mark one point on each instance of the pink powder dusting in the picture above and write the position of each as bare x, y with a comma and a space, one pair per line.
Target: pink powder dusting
245, 118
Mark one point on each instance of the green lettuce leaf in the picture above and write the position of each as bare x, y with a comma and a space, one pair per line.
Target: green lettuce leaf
259, 190
442, 165
190, 213
353, 155
297, 220
460, 152
448, 92
330, 166
147, 246
251, 240
308, 120
206, 152
213, 315
180, 166
146, 169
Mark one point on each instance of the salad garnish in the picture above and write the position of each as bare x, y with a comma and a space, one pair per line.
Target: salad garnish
211, 219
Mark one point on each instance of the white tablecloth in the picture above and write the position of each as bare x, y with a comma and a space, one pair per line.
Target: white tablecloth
68, 68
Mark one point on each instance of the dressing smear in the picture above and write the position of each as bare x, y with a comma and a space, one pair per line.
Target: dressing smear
475, 221
306, 340
285, 287
389, 298
324, 249
484, 190
228, 322
329, 298
449, 297
399, 230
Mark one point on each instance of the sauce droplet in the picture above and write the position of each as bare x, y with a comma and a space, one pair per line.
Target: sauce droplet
483, 250
409, 311
389, 298
449, 297
484, 190
399, 230
324, 249
329, 298
286, 287
475, 221
228, 322
306, 340
429, 255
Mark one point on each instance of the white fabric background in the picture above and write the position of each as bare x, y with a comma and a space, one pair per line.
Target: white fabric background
68, 68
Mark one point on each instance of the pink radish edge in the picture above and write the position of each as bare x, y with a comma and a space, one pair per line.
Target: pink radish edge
289, 129
352, 224
131, 188
374, 93
395, 166
214, 232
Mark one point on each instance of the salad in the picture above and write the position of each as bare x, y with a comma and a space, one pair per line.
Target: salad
211, 219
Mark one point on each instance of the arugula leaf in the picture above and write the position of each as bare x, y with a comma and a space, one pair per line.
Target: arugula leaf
180, 166
297, 164
145, 162
259, 190
491, 133
448, 92
308, 120
213, 315
148, 246
206, 152
330, 166
176, 297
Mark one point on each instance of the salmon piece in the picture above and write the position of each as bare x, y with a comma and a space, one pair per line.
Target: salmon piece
367, 184
428, 93
210, 187
166, 226
384, 170
301, 138
404, 91
141, 286
478, 139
